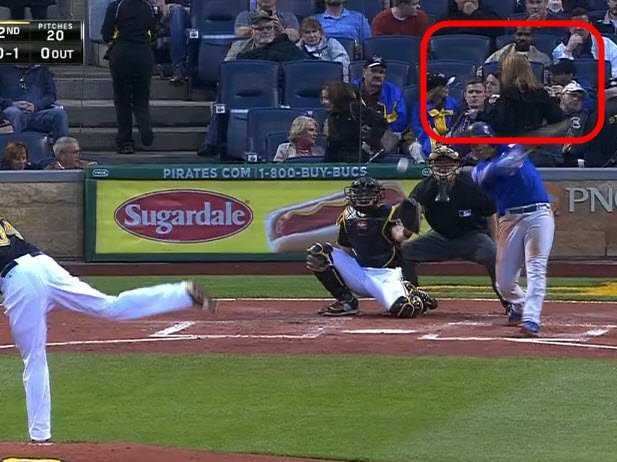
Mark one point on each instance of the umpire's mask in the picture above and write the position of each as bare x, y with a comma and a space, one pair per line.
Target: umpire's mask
445, 164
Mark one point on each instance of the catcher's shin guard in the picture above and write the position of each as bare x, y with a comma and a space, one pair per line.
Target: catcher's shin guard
407, 307
429, 302
318, 261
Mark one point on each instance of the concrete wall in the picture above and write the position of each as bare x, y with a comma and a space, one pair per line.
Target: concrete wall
47, 208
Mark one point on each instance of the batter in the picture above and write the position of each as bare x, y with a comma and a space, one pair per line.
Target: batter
33, 284
525, 228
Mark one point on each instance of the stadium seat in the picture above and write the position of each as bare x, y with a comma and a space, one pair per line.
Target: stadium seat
397, 72
546, 43
249, 83
304, 80
503, 8
597, 5
369, 8
301, 8
351, 46
263, 121
39, 151
537, 68
306, 160
437, 8
410, 93
96, 15
393, 47
587, 71
463, 47
237, 134
216, 17
211, 55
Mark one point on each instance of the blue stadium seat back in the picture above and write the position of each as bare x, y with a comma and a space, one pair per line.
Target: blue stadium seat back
96, 16
546, 43
306, 160
462, 70
587, 71
393, 47
211, 55
494, 67
318, 113
369, 8
397, 72
301, 8
351, 46
437, 8
249, 83
596, 15
216, 16
273, 140
261, 121
237, 145
503, 8
305, 79
410, 93
39, 151
597, 5
389, 158
468, 47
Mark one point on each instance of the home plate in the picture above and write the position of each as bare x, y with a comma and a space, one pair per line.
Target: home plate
380, 331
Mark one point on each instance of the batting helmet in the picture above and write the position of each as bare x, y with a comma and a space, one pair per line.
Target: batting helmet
364, 192
479, 130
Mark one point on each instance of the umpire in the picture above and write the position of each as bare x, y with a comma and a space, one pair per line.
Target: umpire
128, 27
458, 213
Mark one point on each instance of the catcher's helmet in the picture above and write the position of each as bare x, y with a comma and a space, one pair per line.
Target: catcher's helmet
364, 192
444, 162
479, 130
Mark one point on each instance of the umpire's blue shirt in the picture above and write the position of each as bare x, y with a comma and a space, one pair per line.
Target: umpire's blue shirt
510, 178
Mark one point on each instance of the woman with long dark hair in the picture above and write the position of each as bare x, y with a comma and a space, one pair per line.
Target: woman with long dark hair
523, 104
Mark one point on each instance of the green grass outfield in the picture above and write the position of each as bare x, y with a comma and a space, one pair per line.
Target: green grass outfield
361, 408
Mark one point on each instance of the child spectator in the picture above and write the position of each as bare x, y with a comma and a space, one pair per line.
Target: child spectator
302, 138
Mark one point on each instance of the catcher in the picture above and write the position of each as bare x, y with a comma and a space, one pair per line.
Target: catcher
365, 260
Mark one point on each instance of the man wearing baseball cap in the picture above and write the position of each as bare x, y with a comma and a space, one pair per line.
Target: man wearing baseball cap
441, 109
383, 95
602, 150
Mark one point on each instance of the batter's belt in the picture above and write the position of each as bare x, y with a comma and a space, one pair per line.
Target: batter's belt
528, 208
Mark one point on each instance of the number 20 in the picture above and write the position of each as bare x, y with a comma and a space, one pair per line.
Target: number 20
55, 35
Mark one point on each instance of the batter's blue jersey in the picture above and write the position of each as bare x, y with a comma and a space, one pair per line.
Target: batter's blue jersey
510, 178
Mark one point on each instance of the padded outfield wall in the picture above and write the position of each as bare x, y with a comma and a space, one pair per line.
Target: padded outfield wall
261, 212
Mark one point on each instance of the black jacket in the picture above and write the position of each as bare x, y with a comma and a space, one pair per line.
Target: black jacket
132, 21
33, 83
17, 3
604, 146
280, 50
515, 113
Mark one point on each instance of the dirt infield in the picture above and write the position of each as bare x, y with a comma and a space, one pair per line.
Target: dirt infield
458, 327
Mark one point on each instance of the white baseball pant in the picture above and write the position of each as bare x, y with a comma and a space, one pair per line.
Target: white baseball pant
38, 284
524, 239
383, 284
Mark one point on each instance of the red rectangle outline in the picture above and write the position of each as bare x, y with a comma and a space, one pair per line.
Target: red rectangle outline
423, 70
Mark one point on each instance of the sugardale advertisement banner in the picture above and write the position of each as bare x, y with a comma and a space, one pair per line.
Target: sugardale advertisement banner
200, 220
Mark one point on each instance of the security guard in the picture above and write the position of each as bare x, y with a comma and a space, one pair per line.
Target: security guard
128, 28
458, 212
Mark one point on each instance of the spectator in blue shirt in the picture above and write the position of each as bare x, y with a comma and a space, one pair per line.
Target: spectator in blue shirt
27, 97
338, 21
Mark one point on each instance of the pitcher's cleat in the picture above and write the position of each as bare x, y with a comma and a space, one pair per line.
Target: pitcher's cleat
200, 298
47, 442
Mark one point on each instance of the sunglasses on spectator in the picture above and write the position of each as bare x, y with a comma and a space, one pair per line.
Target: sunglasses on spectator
266, 28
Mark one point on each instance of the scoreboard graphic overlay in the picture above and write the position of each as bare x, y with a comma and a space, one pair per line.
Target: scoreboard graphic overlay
42, 42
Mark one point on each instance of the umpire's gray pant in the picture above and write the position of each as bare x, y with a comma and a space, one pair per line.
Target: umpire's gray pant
431, 246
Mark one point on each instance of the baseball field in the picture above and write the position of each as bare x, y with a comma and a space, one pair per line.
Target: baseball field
266, 379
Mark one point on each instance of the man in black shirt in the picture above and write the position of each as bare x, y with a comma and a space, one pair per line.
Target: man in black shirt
459, 214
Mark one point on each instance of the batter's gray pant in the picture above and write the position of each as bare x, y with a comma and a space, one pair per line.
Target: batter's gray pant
432, 246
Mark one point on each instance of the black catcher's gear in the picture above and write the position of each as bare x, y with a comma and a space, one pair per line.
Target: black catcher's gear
365, 193
445, 164
318, 261
408, 214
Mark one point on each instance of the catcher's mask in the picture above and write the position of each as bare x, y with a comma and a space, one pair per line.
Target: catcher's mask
364, 193
445, 164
